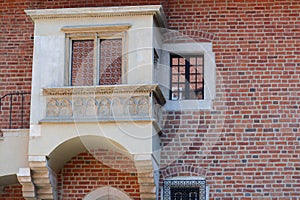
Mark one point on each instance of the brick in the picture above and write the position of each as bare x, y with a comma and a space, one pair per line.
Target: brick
119, 171
256, 45
12, 192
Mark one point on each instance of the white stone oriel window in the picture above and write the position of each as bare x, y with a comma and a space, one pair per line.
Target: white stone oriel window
192, 81
95, 55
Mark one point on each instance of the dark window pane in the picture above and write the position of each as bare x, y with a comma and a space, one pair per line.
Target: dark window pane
184, 193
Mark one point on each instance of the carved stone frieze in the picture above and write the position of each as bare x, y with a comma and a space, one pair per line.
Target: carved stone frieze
97, 107
104, 102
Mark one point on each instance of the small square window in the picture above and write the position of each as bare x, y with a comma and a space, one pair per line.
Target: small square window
187, 77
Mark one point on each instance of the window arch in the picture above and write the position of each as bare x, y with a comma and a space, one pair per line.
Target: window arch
107, 193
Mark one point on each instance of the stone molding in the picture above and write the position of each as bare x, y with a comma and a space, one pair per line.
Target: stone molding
111, 29
155, 10
107, 89
14, 132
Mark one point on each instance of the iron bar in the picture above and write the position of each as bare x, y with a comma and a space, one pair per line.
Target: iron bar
22, 109
11, 106
10, 112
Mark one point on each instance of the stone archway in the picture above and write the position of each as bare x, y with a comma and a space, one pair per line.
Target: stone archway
46, 168
107, 193
88, 171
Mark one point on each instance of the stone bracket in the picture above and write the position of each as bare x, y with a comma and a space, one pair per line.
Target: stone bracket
38, 180
28, 187
145, 169
43, 178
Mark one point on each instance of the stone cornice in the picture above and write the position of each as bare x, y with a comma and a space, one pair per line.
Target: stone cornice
155, 10
107, 90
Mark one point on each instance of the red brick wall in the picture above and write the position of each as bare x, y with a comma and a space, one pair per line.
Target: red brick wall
88, 171
257, 115
12, 192
16, 31
257, 111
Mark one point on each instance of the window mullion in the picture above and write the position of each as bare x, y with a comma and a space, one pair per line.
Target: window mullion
178, 80
124, 59
171, 77
69, 60
203, 61
96, 60
196, 73
187, 78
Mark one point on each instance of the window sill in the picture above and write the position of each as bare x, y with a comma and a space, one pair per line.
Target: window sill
187, 105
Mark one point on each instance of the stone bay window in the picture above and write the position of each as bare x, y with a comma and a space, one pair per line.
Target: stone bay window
94, 87
101, 79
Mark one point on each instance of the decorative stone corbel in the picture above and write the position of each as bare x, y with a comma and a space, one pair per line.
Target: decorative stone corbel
144, 166
44, 178
25, 179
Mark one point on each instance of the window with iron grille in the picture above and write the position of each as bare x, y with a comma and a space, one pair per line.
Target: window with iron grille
187, 193
187, 80
95, 58
180, 189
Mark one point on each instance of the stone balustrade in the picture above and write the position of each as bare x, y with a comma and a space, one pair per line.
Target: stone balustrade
104, 103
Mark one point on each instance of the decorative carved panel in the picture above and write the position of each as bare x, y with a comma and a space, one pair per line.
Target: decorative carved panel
104, 103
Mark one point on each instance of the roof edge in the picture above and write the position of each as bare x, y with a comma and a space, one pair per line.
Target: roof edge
155, 10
